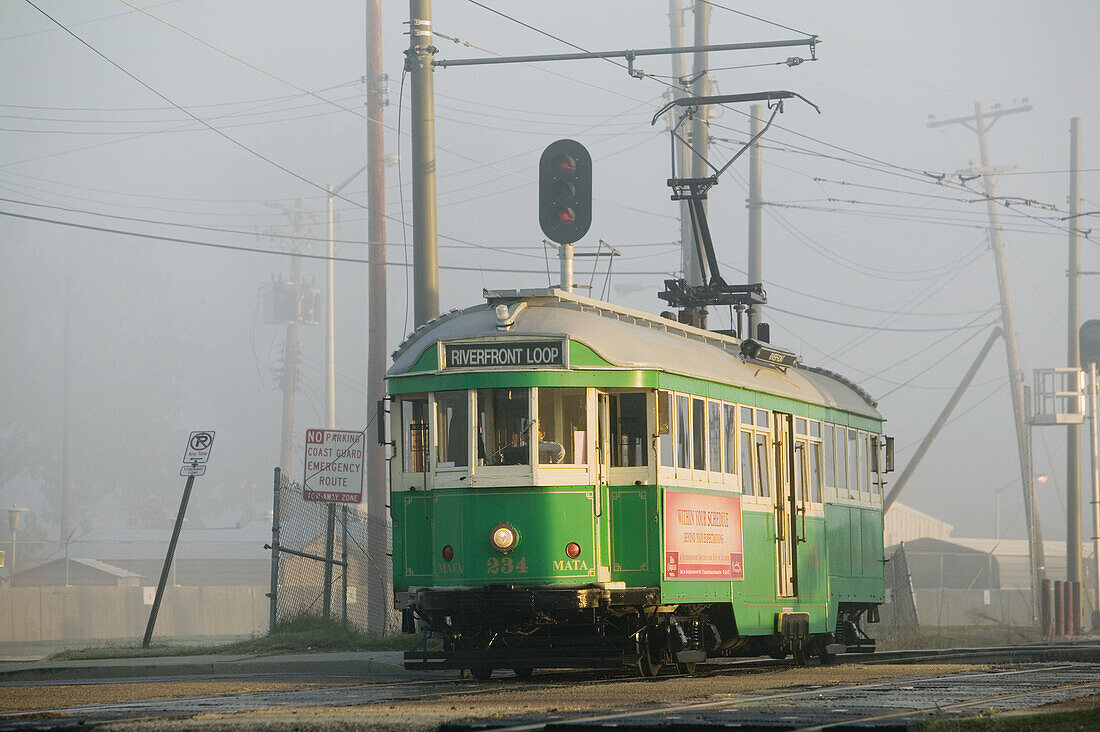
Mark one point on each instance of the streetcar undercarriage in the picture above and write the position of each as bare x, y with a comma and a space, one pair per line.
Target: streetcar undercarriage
590, 626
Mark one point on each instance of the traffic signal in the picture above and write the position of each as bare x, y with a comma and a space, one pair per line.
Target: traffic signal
565, 191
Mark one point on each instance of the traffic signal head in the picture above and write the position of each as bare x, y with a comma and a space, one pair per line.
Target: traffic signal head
565, 191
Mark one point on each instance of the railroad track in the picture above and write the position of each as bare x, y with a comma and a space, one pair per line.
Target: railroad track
904, 701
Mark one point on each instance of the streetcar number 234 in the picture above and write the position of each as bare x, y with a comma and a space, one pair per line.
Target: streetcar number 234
505, 565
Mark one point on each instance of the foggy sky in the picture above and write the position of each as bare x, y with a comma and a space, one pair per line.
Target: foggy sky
879, 272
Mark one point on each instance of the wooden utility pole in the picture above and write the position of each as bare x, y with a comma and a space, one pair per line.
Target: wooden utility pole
978, 124
418, 61
691, 256
682, 151
379, 582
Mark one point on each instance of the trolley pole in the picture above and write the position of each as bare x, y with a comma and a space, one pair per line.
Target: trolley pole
418, 61
1015, 373
756, 194
1073, 359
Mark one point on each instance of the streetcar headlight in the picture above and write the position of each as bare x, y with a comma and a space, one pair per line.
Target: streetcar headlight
504, 537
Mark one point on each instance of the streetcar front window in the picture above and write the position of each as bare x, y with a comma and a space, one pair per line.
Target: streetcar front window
503, 423
414, 435
562, 426
452, 430
629, 447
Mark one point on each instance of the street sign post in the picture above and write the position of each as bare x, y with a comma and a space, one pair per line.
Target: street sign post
333, 466
197, 451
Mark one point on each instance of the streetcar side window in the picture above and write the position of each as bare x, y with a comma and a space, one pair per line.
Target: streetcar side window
853, 461
841, 463
414, 435
699, 434
664, 427
503, 423
761, 467
829, 443
814, 460
452, 429
750, 474
864, 464
729, 413
683, 432
562, 425
714, 436
628, 430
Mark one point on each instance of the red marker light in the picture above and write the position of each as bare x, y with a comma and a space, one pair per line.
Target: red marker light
448, 553
573, 549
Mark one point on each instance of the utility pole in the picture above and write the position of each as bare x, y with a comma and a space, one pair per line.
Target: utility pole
691, 253
330, 404
977, 123
756, 198
290, 373
682, 151
378, 583
418, 61
66, 427
1073, 360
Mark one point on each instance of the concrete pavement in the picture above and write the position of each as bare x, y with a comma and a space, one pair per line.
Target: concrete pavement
368, 663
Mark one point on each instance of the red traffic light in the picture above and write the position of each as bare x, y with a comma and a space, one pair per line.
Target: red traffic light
566, 215
566, 164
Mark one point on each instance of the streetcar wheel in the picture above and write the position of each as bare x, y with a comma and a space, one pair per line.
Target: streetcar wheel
481, 674
647, 667
686, 669
523, 672
798, 649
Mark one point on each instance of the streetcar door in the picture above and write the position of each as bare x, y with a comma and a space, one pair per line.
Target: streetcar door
603, 472
784, 502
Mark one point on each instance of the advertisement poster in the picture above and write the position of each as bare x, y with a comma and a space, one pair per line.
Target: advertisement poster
703, 537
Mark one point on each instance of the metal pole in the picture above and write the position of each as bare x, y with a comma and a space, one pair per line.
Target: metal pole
1095, 454
378, 593
330, 327
939, 423
344, 570
700, 134
418, 60
1073, 360
330, 540
1015, 372
756, 266
680, 149
275, 530
565, 254
168, 562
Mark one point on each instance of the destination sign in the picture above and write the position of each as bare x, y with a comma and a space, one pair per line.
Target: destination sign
503, 354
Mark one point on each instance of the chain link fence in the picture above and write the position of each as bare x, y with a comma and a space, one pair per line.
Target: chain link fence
315, 575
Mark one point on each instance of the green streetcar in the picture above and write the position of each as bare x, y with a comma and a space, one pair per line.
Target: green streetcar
577, 484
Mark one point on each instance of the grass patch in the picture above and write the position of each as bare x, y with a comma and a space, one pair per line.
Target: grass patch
956, 636
1069, 721
300, 635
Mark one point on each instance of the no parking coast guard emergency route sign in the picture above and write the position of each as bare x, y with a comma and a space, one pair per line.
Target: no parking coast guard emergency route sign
334, 466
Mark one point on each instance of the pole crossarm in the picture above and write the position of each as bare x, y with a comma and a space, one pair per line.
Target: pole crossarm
766, 96
629, 54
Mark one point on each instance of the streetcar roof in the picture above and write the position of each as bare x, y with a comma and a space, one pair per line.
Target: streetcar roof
635, 340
